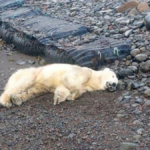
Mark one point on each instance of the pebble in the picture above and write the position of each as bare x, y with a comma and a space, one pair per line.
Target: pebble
127, 33
147, 93
31, 62
71, 135
133, 11
127, 5
121, 114
135, 85
137, 122
139, 100
21, 62
147, 103
141, 57
138, 23
134, 68
147, 21
137, 138
42, 62
135, 52
140, 131
143, 6
123, 20
128, 145
120, 99
145, 66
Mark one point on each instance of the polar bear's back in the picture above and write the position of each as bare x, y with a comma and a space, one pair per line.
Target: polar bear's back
53, 75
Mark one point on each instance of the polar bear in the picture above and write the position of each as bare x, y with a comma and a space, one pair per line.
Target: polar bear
66, 81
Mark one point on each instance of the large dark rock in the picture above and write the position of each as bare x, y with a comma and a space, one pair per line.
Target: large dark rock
35, 33
30, 31
93, 55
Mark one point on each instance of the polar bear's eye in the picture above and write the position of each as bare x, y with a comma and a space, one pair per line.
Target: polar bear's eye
113, 76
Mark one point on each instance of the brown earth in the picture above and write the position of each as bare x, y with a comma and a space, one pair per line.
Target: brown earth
89, 122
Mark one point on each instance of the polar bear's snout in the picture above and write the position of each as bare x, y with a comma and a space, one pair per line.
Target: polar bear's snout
111, 86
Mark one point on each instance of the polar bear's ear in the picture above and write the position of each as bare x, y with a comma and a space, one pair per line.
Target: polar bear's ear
106, 69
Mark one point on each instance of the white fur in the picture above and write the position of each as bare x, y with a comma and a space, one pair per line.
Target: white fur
68, 82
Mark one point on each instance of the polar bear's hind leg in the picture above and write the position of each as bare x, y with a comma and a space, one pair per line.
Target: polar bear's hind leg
18, 82
30, 93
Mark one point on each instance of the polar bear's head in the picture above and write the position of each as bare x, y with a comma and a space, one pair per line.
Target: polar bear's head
109, 79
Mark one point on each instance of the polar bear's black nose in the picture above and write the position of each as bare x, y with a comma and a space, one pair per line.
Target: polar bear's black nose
114, 84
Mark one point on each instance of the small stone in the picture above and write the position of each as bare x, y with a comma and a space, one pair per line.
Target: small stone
148, 83
133, 11
128, 62
137, 111
117, 36
126, 93
121, 114
141, 57
71, 135
145, 66
147, 21
135, 85
142, 49
107, 17
125, 72
127, 33
42, 62
135, 52
121, 85
36, 31
136, 138
147, 103
117, 62
128, 146
134, 68
147, 93
148, 112
140, 131
9, 143
127, 6
120, 99
127, 97
21, 62
138, 122
139, 101
135, 64
131, 77
129, 57
31, 62
138, 23
123, 20
74, 9
129, 86
143, 6
124, 29
9, 54
85, 137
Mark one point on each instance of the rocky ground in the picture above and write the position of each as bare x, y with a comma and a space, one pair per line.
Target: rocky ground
98, 120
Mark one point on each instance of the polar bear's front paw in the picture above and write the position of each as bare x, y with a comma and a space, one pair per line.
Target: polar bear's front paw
15, 100
5, 101
58, 98
6, 104
73, 96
